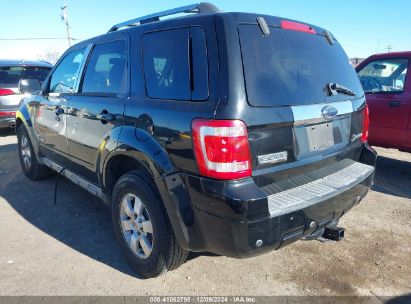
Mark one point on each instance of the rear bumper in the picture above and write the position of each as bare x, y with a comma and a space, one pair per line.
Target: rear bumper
237, 218
7, 122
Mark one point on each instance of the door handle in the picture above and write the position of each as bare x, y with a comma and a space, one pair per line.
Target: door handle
394, 104
105, 116
59, 111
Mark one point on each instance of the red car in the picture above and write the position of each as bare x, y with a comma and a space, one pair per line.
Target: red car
384, 78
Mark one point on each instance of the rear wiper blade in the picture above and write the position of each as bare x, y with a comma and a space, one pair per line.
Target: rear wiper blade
335, 89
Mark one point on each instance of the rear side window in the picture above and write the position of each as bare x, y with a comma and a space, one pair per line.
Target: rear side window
106, 71
13, 74
64, 77
175, 64
384, 75
293, 68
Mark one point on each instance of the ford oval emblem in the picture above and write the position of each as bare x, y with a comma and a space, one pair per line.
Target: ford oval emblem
329, 112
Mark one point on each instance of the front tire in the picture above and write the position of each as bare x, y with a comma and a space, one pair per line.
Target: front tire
142, 227
28, 160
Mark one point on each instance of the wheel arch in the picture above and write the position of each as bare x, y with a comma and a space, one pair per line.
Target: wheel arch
134, 151
23, 118
138, 150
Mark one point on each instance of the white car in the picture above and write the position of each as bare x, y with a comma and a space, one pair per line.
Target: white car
11, 72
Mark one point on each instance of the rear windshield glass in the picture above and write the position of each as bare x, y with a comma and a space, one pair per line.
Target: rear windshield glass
12, 74
293, 68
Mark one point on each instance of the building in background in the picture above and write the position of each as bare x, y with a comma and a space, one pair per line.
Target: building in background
356, 61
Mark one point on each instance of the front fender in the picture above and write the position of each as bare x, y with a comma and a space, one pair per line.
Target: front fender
25, 116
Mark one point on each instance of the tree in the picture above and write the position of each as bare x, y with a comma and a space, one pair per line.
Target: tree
50, 55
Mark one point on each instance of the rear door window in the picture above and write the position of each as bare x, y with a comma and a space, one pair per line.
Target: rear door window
293, 68
106, 71
175, 64
384, 75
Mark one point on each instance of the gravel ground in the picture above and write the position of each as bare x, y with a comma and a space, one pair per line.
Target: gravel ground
69, 248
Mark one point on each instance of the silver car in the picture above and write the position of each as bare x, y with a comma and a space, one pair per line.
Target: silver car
11, 72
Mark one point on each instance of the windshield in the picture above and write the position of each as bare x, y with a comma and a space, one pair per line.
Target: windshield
384, 75
293, 68
11, 75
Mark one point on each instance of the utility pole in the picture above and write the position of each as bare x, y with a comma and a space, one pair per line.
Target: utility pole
64, 18
389, 48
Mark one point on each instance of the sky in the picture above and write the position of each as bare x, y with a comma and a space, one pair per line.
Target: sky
363, 27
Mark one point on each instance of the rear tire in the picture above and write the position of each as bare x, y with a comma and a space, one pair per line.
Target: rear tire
28, 159
142, 227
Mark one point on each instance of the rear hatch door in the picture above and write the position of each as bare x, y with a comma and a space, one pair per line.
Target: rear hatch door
303, 79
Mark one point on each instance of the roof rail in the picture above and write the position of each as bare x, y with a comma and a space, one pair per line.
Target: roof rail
198, 8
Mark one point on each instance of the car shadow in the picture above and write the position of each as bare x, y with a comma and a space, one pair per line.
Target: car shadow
194, 255
393, 177
404, 299
7, 132
77, 219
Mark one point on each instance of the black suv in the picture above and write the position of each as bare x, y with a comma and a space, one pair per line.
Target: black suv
231, 133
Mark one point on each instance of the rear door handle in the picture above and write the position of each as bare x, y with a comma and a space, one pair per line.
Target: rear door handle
59, 111
394, 104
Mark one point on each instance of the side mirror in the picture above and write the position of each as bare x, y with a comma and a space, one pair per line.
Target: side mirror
29, 86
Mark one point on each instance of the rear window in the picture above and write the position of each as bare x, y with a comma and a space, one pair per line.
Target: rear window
293, 68
12, 74
176, 64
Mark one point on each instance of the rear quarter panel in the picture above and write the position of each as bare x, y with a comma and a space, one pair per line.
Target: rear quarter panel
168, 122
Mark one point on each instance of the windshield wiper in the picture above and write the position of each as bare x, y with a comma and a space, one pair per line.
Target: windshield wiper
335, 89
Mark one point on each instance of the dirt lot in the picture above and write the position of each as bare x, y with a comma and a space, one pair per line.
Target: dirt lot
69, 248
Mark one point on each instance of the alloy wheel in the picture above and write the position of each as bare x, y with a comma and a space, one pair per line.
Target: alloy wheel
25, 151
136, 226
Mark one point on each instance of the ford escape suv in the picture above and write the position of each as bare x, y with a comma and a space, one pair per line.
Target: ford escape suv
231, 133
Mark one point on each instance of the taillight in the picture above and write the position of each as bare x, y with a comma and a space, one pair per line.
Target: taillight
365, 124
221, 148
295, 26
7, 114
4, 92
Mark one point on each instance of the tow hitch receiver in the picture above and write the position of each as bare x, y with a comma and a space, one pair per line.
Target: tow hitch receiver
333, 233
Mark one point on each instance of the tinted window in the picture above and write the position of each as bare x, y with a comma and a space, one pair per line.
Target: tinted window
292, 68
12, 74
66, 74
166, 64
384, 75
106, 70
199, 64
175, 64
